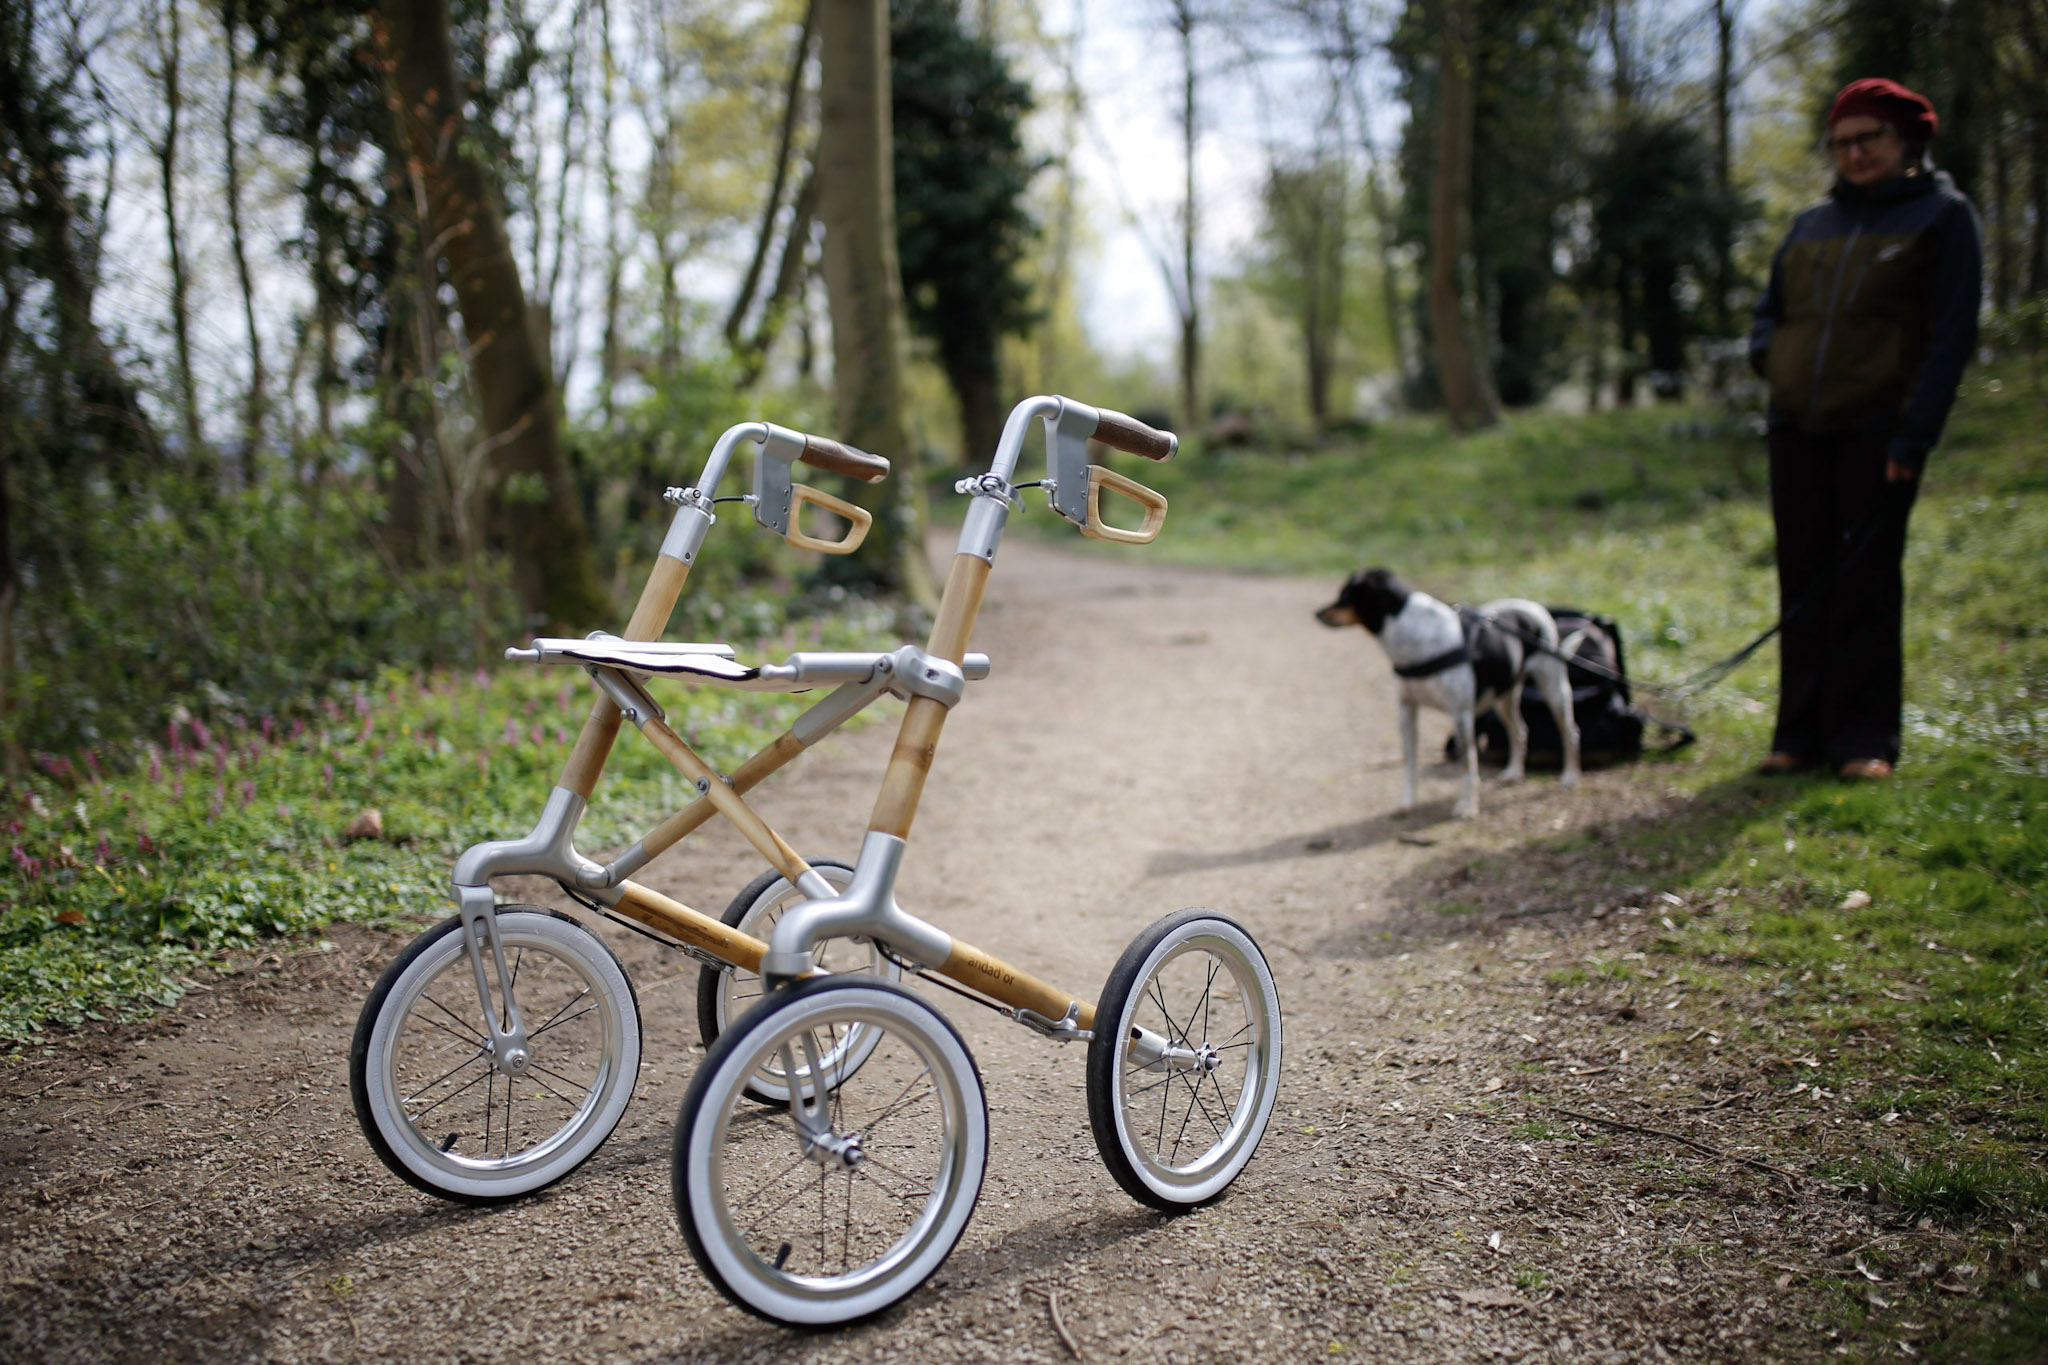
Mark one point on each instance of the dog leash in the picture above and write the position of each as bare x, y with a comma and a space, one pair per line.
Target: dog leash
1713, 673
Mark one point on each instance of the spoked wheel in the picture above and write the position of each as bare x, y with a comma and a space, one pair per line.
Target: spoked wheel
830, 1208
437, 1108
725, 993
1185, 1062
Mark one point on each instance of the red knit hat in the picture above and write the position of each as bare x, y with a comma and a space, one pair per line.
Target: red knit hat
1911, 113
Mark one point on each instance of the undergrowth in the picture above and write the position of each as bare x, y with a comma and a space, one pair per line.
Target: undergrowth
130, 869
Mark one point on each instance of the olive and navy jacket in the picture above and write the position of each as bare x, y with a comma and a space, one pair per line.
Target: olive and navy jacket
1871, 313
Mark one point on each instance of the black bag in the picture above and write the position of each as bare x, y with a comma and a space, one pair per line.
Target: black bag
1610, 725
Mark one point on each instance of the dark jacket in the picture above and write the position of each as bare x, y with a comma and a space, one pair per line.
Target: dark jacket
1871, 312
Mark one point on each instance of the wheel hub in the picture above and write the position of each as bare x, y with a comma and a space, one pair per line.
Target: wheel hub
833, 1151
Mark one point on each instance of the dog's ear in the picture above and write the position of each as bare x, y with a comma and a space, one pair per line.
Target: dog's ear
1373, 595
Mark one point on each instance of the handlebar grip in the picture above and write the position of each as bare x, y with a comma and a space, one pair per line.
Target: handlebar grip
836, 458
1121, 432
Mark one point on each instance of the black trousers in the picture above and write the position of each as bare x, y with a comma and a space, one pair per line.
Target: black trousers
1841, 543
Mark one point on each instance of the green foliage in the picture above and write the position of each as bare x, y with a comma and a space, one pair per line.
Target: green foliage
962, 226
246, 604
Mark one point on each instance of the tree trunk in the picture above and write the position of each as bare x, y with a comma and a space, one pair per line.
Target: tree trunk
2037, 191
170, 53
2004, 245
1190, 309
792, 103
541, 519
254, 401
610, 358
971, 374
786, 293
1385, 230
857, 202
1468, 389
1726, 12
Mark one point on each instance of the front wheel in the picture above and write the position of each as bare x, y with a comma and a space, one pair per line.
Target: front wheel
1184, 1065
842, 1201
436, 1108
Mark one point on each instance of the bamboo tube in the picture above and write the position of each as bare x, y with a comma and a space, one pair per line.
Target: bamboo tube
650, 618
917, 742
1016, 988
669, 832
689, 927
726, 801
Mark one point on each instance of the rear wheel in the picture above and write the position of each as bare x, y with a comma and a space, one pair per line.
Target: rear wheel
725, 993
1184, 1066
437, 1108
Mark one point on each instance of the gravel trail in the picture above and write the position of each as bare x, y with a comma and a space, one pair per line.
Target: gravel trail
1151, 738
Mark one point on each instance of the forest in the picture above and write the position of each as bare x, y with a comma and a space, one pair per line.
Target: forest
344, 337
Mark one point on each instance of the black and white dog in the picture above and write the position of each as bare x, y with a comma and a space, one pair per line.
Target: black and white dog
1462, 663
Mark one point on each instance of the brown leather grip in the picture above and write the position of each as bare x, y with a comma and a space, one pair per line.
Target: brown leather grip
1121, 432
836, 458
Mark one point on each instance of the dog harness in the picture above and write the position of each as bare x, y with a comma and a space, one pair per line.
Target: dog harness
1485, 647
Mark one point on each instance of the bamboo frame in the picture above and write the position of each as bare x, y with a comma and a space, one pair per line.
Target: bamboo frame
895, 807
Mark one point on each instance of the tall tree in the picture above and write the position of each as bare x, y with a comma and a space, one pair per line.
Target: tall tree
1467, 387
254, 401
1186, 287
167, 30
857, 204
1307, 205
542, 520
961, 226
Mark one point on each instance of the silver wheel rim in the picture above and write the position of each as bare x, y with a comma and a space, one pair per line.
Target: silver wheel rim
739, 989
808, 1244
1189, 1131
428, 1065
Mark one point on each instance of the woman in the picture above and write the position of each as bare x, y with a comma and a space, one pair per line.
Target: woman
1863, 333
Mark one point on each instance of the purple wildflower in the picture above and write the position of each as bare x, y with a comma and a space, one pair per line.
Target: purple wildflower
156, 769
511, 731
143, 843
202, 734
103, 853
248, 791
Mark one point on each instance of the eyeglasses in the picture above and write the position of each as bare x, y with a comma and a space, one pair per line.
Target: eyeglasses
1857, 142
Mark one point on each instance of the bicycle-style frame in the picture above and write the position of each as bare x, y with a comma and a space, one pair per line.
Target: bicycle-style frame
932, 679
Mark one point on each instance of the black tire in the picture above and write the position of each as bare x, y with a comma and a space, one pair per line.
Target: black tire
563, 963
1189, 1013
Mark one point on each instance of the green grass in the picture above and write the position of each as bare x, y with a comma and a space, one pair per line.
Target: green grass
1927, 1003
129, 871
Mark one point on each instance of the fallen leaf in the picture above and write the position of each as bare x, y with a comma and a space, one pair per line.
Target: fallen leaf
71, 916
369, 824
1489, 1298
1492, 1085
1493, 1242
1856, 900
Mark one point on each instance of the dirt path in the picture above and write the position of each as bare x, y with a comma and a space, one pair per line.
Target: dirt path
196, 1189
